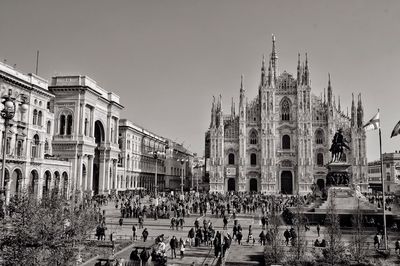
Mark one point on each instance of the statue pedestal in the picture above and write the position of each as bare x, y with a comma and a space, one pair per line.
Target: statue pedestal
338, 174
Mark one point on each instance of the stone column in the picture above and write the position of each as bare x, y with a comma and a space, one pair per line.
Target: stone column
89, 174
102, 172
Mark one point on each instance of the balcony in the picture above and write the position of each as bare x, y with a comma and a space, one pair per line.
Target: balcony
286, 153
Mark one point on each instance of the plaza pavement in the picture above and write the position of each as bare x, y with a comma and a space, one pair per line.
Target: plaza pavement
245, 254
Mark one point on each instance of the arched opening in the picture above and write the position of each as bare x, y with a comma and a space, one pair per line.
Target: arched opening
285, 110
319, 136
16, 183
35, 117
320, 159
253, 159
35, 146
64, 191
231, 158
40, 117
253, 137
286, 182
47, 182
83, 177
56, 182
48, 127
6, 177
285, 142
231, 184
99, 137
69, 124
62, 124
253, 185
33, 183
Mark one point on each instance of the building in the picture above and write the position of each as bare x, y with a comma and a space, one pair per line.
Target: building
137, 164
280, 140
199, 166
179, 167
30, 160
70, 139
391, 173
86, 121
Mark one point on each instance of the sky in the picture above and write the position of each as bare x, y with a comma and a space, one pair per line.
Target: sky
167, 58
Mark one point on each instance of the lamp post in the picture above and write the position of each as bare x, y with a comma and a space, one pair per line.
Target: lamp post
156, 155
7, 114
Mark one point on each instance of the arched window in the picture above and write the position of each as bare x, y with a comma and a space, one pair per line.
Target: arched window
86, 126
253, 137
320, 159
8, 146
319, 137
40, 116
253, 159
35, 116
35, 146
48, 129
19, 147
62, 124
69, 124
286, 142
285, 110
231, 158
46, 147
128, 159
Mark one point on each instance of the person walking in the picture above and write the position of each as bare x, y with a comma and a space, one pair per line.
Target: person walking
286, 234
182, 247
173, 243
145, 234
262, 238
134, 232
318, 229
397, 247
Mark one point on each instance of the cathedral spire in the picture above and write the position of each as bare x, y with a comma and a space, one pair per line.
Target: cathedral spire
306, 73
233, 108
324, 96
353, 111
360, 112
329, 90
298, 69
212, 124
263, 71
339, 103
241, 97
274, 58
269, 73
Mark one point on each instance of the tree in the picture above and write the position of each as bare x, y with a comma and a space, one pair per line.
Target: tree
358, 245
274, 253
299, 243
335, 252
44, 232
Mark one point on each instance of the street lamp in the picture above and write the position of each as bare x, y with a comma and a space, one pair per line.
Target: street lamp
156, 155
7, 114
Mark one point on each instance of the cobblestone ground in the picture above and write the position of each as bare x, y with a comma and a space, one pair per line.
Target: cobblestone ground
246, 254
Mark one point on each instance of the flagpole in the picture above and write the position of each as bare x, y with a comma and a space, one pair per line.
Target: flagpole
383, 190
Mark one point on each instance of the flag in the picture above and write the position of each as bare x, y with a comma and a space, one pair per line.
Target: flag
373, 124
396, 130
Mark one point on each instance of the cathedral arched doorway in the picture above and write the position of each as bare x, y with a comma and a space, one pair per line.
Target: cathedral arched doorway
253, 185
231, 184
99, 137
47, 182
286, 182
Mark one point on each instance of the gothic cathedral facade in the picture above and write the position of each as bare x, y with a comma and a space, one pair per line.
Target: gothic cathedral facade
279, 142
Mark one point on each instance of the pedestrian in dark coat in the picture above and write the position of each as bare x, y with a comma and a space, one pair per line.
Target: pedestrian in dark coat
145, 234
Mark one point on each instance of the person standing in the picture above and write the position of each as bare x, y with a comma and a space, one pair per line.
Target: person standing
145, 234
173, 244
286, 234
182, 248
318, 229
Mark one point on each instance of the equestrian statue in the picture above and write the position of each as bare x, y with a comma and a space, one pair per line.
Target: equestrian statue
338, 143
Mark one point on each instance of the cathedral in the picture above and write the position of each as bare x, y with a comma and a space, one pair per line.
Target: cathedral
279, 142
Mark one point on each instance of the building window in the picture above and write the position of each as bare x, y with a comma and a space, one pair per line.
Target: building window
319, 137
8, 146
19, 148
69, 124
387, 176
253, 137
285, 110
48, 129
35, 146
320, 159
86, 126
231, 158
253, 159
46, 147
40, 116
62, 124
35, 115
286, 142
